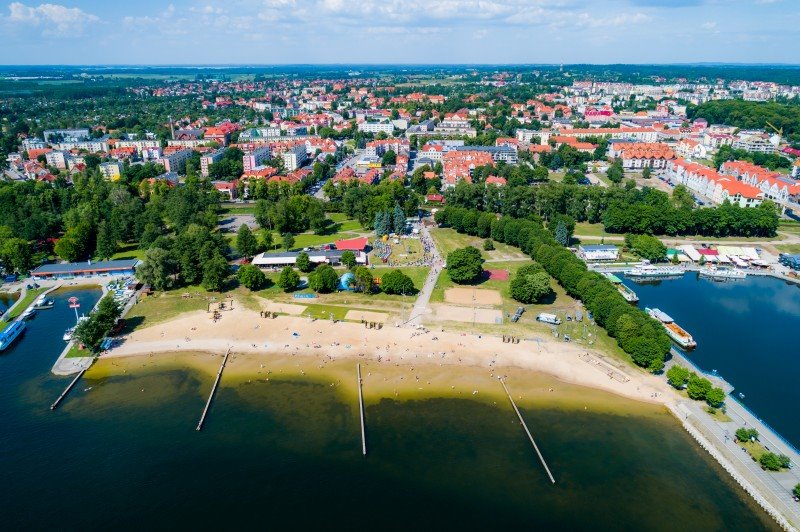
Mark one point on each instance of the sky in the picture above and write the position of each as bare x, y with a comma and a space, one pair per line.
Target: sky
142, 32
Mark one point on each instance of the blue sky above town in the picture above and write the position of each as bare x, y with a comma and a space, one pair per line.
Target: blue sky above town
399, 31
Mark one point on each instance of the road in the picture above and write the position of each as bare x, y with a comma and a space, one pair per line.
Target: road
424, 297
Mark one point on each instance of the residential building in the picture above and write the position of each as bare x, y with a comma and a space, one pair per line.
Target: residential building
65, 135
111, 170
376, 127
253, 158
294, 156
459, 164
175, 161
57, 158
759, 143
210, 158
711, 185
773, 185
638, 155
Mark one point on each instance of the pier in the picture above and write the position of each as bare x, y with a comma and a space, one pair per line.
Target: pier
528, 432
68, 388
213, 391
361, 412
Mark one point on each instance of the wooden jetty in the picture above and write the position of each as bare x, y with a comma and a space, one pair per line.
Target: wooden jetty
213, 390
528, 432
68, 388
361, 411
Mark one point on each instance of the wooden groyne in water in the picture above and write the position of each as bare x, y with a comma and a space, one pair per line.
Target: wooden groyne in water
528, 432
213, 391
361, 412
66, 391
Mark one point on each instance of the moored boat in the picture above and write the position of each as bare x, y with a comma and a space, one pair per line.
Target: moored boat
649, 271
11, 333
43, 302
722, 274
678, 334
29, 312
629, 295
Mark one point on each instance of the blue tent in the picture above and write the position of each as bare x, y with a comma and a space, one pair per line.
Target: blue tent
346, 280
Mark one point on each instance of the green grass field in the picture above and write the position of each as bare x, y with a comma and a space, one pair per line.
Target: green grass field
788, 248
29, 298
128, 251
448, 240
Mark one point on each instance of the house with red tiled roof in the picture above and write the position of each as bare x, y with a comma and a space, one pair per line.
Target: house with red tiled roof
495, 180
459, 164
638, 155
773, 185
713, 186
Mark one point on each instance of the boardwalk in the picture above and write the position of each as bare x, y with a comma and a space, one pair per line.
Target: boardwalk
424, 297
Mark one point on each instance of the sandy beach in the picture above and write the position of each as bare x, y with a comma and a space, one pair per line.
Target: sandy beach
259, 342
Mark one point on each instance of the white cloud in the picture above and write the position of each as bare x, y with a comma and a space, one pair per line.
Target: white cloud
54, 19
708, 25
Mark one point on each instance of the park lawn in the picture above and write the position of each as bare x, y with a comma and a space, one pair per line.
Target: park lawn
788, 248
343, 224
557, 175
448, 240
326, 312
590, 229
789, 226
444, 282
130, 250
163, 306
754, 449
75, 352
236, 208
408, 250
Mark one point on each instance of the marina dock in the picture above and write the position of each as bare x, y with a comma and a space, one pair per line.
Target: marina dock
361, 412
528, 432
213, 391
68, 388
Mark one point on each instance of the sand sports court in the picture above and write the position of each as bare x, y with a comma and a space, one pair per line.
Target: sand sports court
477, 315
473, 296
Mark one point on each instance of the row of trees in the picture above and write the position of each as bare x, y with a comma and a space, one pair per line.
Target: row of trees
636, 333
621, 210
698, 388
91, 332
390, 221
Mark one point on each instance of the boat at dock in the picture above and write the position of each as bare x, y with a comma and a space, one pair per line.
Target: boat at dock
650, 271
678, 334
722, 274
71, 331
29, 312
11, 333
629, 295
43, 302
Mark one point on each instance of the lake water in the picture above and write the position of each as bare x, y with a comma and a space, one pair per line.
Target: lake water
747, 330
122, 453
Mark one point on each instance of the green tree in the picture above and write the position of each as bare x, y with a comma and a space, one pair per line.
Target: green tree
381, 224
246, 242
323, 280
267, 240
362, 280
796, 491
69, 247
698, 387
648, 247
770, 461
399, 220
288, 280
106, 242
91, 332
530, 284
287, 239
215, 272
615, 172
562, 236
157, 268
262, 214
397, 282
743, 434
303, 263
677, 376
646, 173
251, 276
488, 245
715, 397
465, 265
15, 254
349, 259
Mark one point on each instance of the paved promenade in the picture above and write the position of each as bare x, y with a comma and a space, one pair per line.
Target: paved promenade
424, 297
776, 488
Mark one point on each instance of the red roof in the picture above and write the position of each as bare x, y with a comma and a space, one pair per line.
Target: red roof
355, 244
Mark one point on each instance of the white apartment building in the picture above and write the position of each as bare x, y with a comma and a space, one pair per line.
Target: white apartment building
294, 157
139, 145
376, 127
32, 144
753, 143
57, 159
66, 135
92, 146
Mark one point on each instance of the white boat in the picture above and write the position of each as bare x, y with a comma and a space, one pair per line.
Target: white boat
678, 334
69, 332
647, 270
11, 333
29, 312
42, 302
722, 274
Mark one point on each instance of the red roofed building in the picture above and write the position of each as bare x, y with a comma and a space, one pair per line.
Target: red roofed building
711, 185
496, 180
773, 185
459, 165
354, 244
637, 155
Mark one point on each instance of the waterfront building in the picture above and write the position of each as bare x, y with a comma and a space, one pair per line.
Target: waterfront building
599, 252
69, 270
